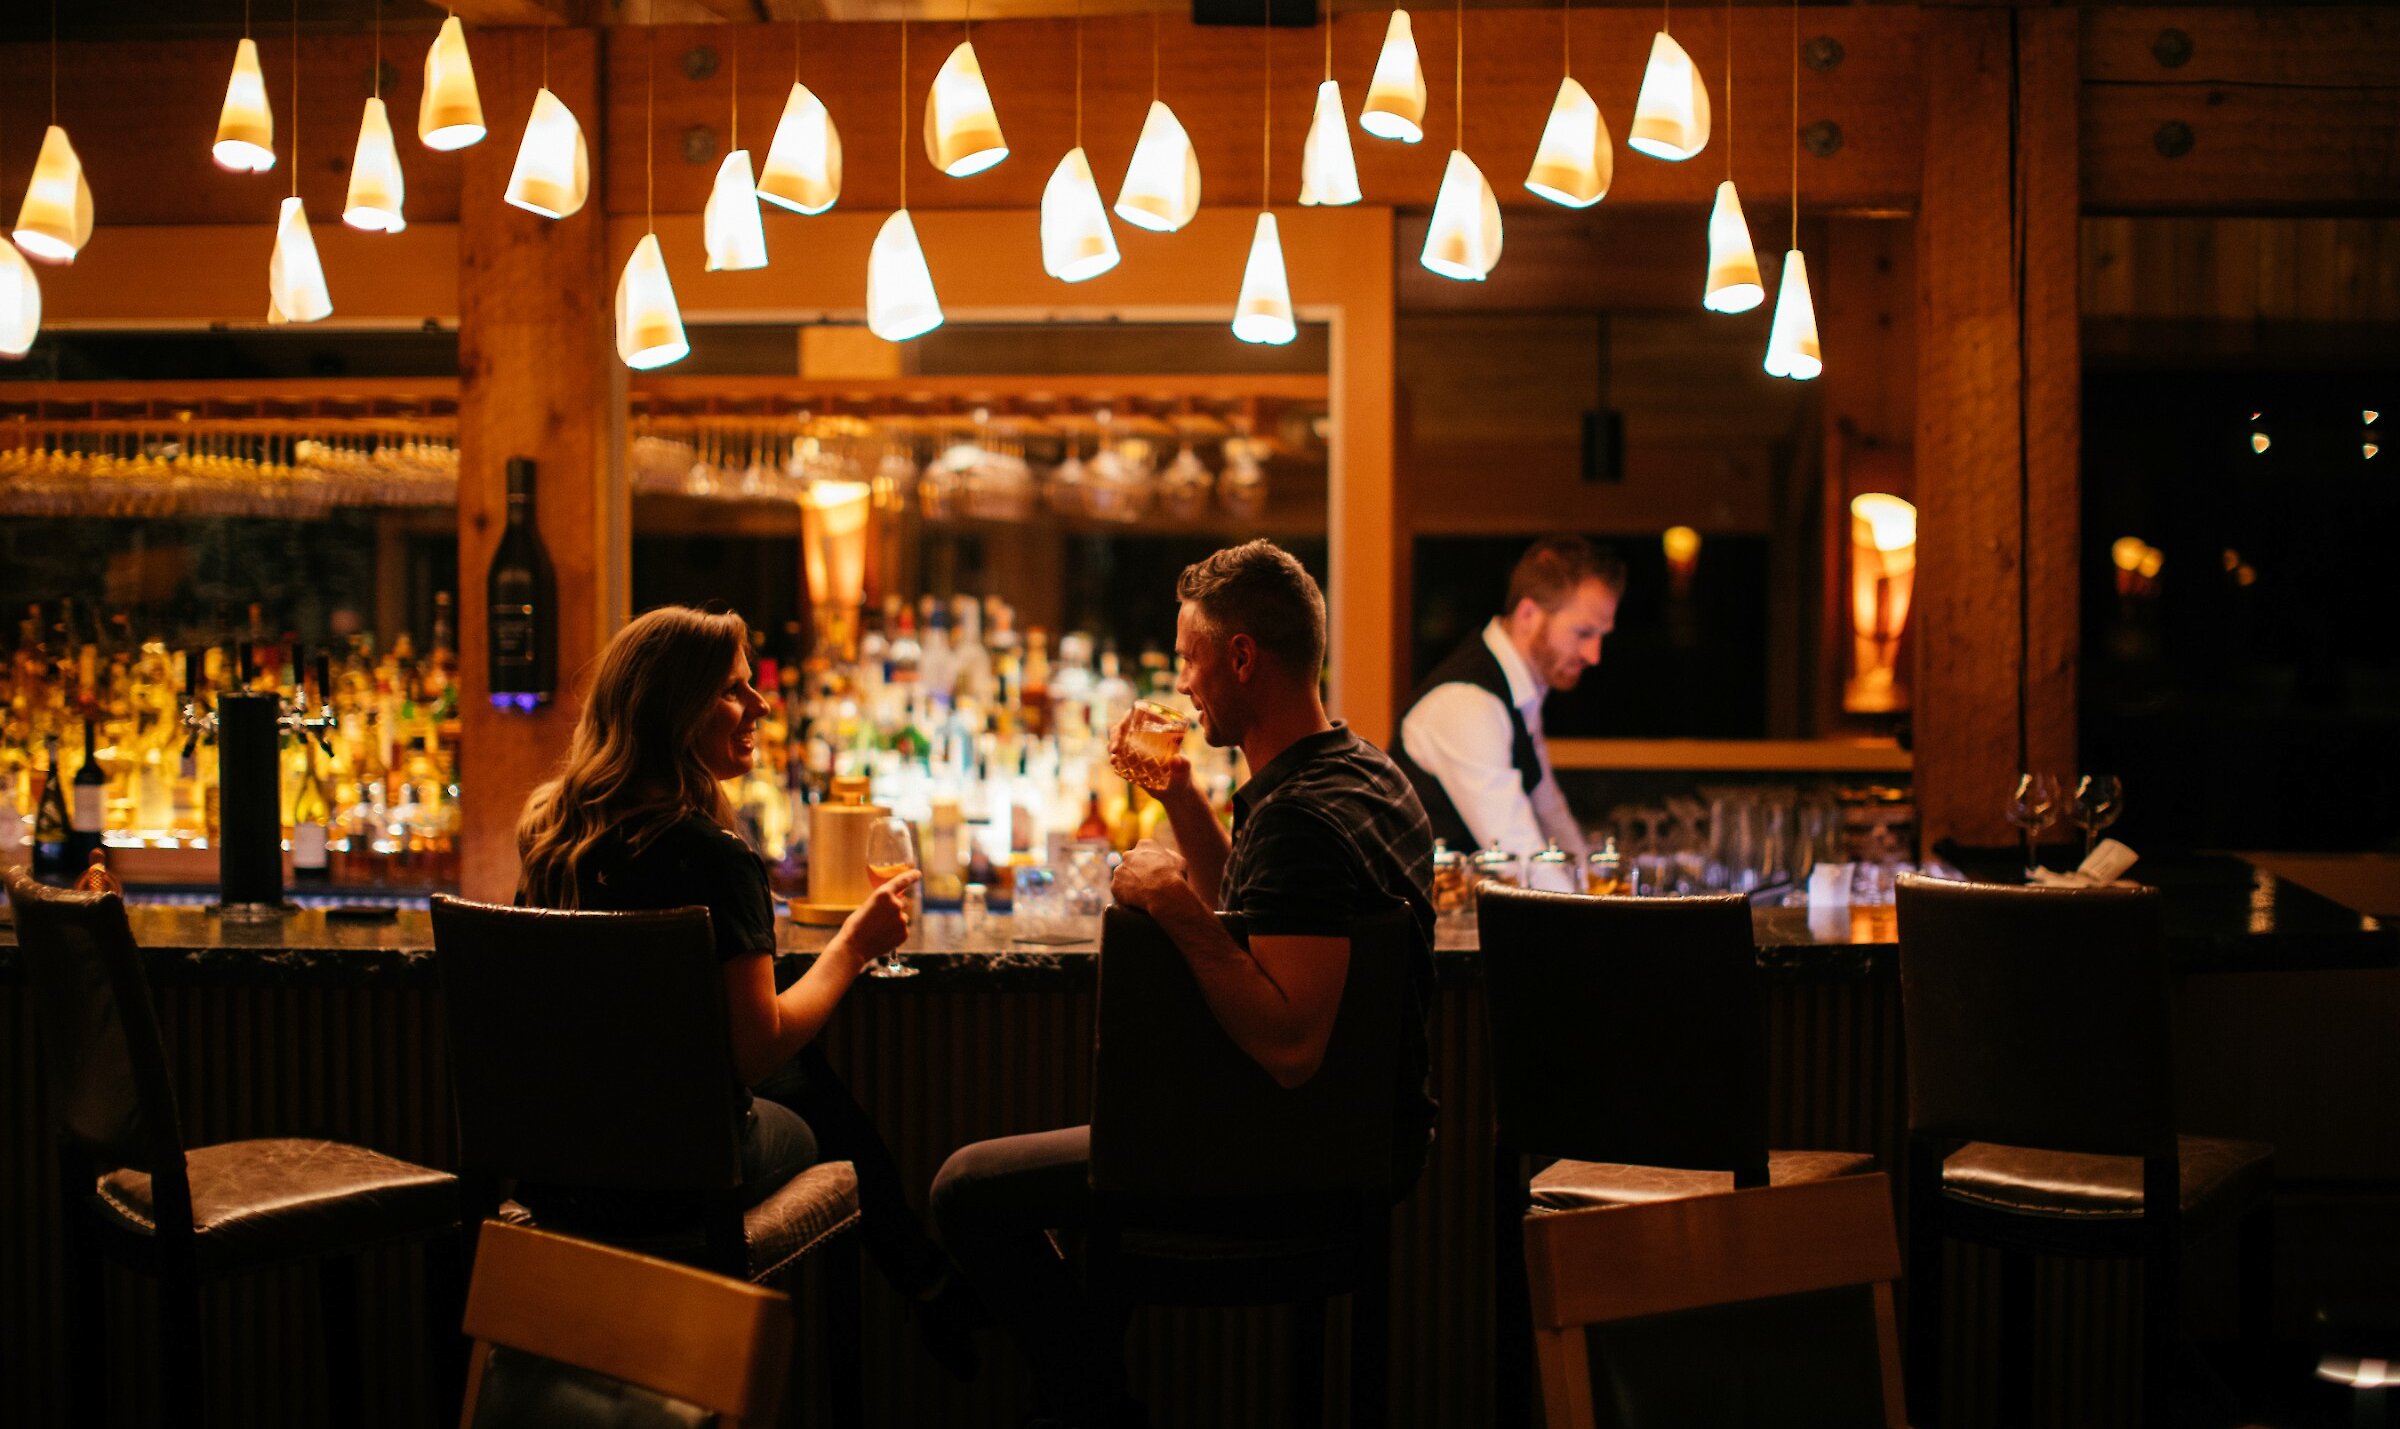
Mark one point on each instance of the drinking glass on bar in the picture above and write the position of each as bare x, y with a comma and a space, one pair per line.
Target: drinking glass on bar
2032, 807
1147, 743
891, 851
2099, 800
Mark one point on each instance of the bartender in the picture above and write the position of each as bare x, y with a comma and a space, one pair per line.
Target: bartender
1471, 741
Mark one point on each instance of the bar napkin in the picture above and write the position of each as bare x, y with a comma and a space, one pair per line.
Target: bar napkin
2105, 866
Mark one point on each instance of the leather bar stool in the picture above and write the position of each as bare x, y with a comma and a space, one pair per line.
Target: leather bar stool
132, 1192
593, 1050
1629, 1046
1214, 1185
2041, 1106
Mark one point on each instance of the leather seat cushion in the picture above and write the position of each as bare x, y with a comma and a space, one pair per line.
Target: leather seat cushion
282, 1197
800, 1215
1582, 1185
2218, 1177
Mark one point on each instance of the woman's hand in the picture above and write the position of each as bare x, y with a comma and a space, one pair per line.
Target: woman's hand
878, 925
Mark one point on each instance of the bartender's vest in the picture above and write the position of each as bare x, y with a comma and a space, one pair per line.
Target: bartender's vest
1470, 664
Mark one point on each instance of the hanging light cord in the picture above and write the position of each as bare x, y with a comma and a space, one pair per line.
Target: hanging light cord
1458, 79
54, 61
1666, 18
1266, 104
1079, 74
295, 95
1729, 91
1328, 38
734, 140
650, 120
376, 78
545, 45
904, 112
1154, 54
1795, 125
1566, 35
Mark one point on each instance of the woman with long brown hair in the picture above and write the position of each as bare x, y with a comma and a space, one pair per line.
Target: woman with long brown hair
638, 818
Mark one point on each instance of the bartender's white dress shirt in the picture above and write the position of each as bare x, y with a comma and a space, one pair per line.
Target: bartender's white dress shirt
1459, 733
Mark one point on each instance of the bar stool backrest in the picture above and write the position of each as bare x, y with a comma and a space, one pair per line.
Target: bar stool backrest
1626, 1030
110, 1097
1181, 1112
2037, 1017
589, 1049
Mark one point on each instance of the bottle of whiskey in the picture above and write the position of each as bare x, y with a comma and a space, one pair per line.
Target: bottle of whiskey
523, 604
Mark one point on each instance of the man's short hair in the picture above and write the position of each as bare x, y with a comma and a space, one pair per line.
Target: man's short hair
1550, 572
1258, 589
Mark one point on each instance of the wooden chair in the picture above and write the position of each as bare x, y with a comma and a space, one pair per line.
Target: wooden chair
1629, 1049
570, 1334
2041, 1116
1766, 1307
593, 1050
131, 1191
1214, 1185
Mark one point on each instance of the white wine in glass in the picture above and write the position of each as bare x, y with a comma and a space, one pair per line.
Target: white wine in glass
891, 851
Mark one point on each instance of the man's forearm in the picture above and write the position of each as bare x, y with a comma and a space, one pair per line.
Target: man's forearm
1202, 842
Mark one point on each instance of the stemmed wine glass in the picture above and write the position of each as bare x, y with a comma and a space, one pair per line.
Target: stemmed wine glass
2099, 800
2032, 808
891, 851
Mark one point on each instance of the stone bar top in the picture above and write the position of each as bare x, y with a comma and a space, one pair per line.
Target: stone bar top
2223, 915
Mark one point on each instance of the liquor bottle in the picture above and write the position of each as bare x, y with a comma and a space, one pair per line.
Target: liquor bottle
1033, 691
523, 604
312, 813
53, 822
91, 800
1095, 823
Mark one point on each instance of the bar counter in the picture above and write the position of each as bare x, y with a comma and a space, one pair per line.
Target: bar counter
305, 1025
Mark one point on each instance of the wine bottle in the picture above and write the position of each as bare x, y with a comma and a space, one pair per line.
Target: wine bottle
53, 822
91, 800
522, 603
312, 812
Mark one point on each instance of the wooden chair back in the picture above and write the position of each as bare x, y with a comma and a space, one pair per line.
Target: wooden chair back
1770, 1306
572, 1334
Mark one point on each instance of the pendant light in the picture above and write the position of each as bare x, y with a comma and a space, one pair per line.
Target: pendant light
803, 171
649, 327
450, 116
1161, 191
730, 227
1328, 169
1792, 349
553, 173
55, 221
1077, 242
1670, 119
962, 132
20, 303
1463, 240
1395, 107
245, 125
1575, 161
377, 190
901, 303
1263, 312
295, 279
1733, 285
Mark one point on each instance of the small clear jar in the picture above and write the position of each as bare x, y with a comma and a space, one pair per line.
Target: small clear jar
1604, 871
1553, 870
1495, 864
1451, 890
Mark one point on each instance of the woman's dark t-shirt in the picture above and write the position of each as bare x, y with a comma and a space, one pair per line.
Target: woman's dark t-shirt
690, 861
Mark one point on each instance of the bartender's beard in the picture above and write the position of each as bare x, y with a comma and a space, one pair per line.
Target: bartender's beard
1558, 669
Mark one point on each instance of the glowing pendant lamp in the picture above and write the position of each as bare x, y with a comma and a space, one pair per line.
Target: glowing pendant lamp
553, 175
1076, 240
1161, 191
1792, 343
377, 190
962, 134
1464, 239
1395, 107
1733, 283
1328, 169
20, 303
649, 326
730, 227
1670, 120
804, 162
1575, 162
900, 299
245, 126
451, 114
55, 221
1264, 312
295, 279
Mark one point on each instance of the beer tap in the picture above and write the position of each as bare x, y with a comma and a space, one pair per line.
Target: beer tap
311, 718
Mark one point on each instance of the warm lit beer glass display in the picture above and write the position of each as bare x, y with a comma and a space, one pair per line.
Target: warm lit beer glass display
1153, 737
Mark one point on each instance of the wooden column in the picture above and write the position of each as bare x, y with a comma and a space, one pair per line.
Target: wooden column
538, 378
1997, 413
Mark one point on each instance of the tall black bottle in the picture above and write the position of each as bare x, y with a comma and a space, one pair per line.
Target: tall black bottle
522, 604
